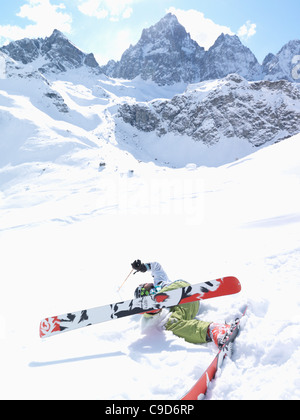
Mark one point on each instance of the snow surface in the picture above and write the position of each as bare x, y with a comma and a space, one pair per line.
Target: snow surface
70, 229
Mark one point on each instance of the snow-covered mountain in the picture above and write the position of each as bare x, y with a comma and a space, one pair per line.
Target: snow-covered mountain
51, 54
226, 110
282, 65
221, 119
228, 55
165, 54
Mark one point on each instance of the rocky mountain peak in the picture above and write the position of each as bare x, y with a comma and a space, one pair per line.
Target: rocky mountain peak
167, 28
57, 35
165, 54
54, 54
229, 55
227, 39
281, 65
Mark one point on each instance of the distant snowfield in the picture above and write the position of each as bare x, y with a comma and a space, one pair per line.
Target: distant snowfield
69, 230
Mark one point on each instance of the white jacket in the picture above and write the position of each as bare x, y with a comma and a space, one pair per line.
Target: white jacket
160, 277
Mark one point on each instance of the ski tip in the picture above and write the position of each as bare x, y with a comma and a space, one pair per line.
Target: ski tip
233, 285
49, 326
233, 279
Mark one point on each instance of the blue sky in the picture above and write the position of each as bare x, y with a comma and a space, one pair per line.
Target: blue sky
108, 27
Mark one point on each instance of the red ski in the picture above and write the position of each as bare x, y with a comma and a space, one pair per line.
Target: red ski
198, 391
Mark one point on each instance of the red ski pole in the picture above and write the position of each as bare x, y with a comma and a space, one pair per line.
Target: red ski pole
125, 280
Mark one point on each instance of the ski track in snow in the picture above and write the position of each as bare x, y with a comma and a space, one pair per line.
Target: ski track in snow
70, 229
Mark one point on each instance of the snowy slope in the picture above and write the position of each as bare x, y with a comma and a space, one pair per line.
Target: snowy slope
70, 229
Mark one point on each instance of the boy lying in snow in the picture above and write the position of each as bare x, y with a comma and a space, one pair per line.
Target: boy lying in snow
179, 319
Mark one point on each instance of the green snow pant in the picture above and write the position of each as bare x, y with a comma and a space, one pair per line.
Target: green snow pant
182, 322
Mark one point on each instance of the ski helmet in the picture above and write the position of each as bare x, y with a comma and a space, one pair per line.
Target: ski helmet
140, 291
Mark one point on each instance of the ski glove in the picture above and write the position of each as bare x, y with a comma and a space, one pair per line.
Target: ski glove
139, 266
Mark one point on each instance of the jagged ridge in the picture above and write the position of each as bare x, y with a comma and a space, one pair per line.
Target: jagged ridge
166, 54
232, 107
55, 53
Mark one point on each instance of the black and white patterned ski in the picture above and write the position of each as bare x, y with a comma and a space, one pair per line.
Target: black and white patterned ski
79, 319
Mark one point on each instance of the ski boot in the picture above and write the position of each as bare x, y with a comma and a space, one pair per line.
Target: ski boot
218, 333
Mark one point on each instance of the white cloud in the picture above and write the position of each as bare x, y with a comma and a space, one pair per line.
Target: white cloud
45, 17
116, 47
101, 9
201, 29
247, 30
93, 8
127, 13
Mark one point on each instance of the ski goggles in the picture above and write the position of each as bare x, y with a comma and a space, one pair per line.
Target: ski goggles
141, 291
